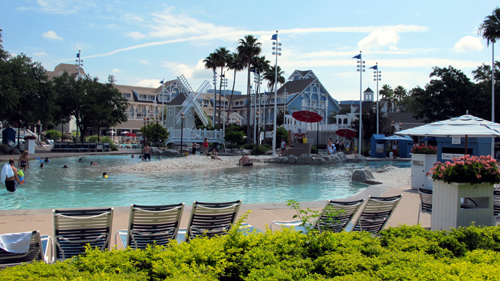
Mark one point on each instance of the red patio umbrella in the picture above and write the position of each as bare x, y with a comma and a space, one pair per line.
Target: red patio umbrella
131, 135
309, 117
346, 133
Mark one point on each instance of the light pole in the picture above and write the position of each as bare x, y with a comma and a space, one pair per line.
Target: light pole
182, 128
376, 77
224, 84
361, 69
146, 123
162, 101
79, 62
215, 93
157, 120
276, 52
39, 129
258, 131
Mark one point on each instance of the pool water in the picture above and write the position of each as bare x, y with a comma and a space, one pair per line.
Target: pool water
82, 185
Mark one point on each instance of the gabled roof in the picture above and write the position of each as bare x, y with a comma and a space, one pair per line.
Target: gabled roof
368, 90
166, 84
178, 100
60, 68
295, 87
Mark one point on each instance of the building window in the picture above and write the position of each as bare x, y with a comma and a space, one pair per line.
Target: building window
143, 97
170, 113
140, 115
126, 96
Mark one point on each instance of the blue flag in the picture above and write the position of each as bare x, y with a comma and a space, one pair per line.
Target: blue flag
77, 55
357, 57
162, 81
374, 67
275, 37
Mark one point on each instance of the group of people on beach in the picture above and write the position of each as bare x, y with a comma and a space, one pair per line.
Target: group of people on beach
334, 147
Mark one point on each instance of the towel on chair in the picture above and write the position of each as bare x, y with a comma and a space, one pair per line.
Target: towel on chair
18, 243
6, 173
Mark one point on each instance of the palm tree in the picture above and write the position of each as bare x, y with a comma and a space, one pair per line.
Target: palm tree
270, 74
234, 63
260, 65
248, 48
222, 55
387, 93
399, 94
210, 63
490, 29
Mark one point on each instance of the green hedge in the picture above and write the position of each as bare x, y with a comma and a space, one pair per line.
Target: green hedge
402, 253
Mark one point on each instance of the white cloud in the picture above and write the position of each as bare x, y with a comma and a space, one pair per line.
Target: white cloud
39, 54
136, 35
59, 6
468, 44
116, 70
151, 83
197, 71
378, 39
146, 62
52, 35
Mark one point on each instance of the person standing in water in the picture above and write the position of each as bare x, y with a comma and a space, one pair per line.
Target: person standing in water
9, 175
24, 161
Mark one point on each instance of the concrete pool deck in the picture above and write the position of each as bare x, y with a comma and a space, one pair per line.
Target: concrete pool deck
261, 215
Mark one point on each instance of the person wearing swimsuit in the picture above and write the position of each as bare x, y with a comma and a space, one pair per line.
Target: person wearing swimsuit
11, 182
24, 161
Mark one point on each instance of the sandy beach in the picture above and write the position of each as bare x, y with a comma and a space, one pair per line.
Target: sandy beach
394, 182
191, 162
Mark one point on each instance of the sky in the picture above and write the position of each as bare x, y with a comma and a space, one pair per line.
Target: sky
144, 42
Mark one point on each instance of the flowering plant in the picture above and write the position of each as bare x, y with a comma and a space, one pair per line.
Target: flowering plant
468, 168
30, 137
423, 149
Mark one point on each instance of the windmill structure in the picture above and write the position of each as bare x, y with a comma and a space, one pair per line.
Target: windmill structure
193, 100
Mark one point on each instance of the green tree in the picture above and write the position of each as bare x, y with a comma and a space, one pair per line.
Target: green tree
387, 93
370, 123
248, 48
270, 75
482, 75
155, 134
211, 63
221, 59
281, 133
235, 63
234, 135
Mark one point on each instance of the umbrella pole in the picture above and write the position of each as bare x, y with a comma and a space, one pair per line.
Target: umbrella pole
317, 137
465, 145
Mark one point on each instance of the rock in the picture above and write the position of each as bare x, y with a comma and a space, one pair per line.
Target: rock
319, 161
292, 159
341, 156
170, 152
246, 151
273, 160
269, 152
155, 151
359, 157
385, 169
284, 159
304, 159
362, 175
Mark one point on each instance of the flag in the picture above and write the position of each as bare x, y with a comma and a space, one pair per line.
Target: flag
78, 55
357, 57
374, 67
275, 37
162, 81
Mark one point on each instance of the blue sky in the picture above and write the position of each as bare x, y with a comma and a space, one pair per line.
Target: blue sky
143, 42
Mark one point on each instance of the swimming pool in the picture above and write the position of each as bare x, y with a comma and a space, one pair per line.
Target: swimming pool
82, 185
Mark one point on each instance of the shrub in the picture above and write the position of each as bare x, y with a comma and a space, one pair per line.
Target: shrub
400, 253
53, 134
423, 149
468, 168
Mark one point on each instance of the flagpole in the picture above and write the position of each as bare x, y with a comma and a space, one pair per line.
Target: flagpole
376, 77
277, 53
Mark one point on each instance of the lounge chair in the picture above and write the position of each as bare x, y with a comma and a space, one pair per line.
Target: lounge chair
93, 146
100, 147
496, 206
74, 229
64, 147
79, 147
425, 202
37, 250
56, 147
85, 147
375, 214
336, 222
71, 147
211, 219
151, 224
106, 146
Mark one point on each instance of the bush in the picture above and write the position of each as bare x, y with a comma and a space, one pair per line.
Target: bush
314, 150
53, 134
401, 253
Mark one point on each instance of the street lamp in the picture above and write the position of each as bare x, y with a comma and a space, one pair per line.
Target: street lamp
376, 77
39, 129
157, 120
276, 52
215, 93
224, 84
182, 128
361, 69
258, 131
146, 123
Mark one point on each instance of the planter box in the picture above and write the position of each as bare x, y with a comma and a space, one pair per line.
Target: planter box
420, 165
460, 204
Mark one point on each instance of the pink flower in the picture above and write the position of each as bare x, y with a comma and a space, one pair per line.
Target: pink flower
441, 175
442, 169
479, 176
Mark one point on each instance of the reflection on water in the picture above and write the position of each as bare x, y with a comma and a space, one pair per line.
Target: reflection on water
82, 185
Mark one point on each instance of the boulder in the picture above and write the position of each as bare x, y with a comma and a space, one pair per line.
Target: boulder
385, 169
362, 175
269, 152
284, 159
359, 157
292, 159
245, 151
319, 161
341, 156
170, 152
273, 160
304, 159
155, 151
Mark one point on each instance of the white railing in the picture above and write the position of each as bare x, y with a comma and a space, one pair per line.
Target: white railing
194, 135
307, 127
